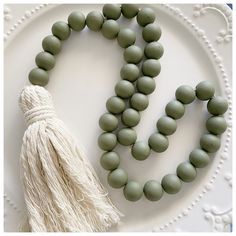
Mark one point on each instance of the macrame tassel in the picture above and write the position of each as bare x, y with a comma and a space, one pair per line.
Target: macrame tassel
62, 191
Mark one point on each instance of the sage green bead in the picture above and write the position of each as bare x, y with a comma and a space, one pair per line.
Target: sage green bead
76, 20
126, 136
110, 160
124, 89
145, 16
111, 11
126, 37
108, 122
166, 125
205, 90
133, 54
186, 172
130, 117
117, 178
158, 142
154, 50
94, 20
175, 109
51, 44
151, 67
129, 72
153, 190
151, 32
129, 10
45, 60
61, 30
140, 151
39, 77
210, 143
171, 184
115, 105
107, 141
199, 158
216, 125
133, 191
139, 101
185, 94
217, 105
110, 29
146, 85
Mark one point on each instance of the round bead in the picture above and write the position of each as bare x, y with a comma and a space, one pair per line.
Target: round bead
166, 125
158, 142
129, 10
126, 136
117, 178
151, 67
171, 184
51, 44
133, 191
76, 20
210, 143
94, 20
45, 60
124, 89
115, 105
140, 151
175, 109
108, 122
205, 90
110, 29
153, 190
139, 101
151, 32
186, 172
126, 37
129, 72
107, 141
145, 16
146, 85
133, 54
111, 11
154, 50
217, 105
199, 158
216, 125
39, 77
130, 117
61, 30
110, 160
185, 94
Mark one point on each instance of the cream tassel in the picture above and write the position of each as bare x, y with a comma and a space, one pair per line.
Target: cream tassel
62, 191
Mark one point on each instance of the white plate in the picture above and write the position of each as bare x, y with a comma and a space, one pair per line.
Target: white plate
84, 77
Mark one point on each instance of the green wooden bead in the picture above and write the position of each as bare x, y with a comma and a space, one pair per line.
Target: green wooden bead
145, 16
216, 125
166, 125
185, 94
115, 105
171, 184
205, 90
94, 20
133, 54
158, 142
61, 30
186, 172
139, 101
140, 151
129, 72
129, 10
76, 20
151, 67
151, 32
126, 136
110, 29
153, 190
45, 60
126, 37
39, 77
210, 143
124, 89
154, 50
111, 11
199, 158
217, 105
110, 160
107, 141
130, 117
146, 85
108, 122
51, 44
175, 109
117, 178
133, 191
